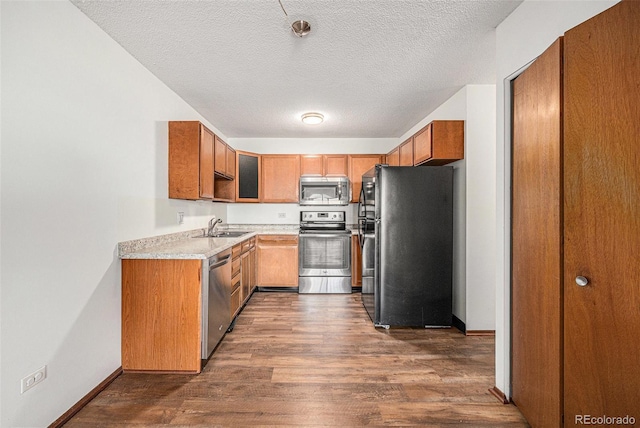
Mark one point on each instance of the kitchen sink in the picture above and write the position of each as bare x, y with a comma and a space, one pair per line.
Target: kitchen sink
226, 234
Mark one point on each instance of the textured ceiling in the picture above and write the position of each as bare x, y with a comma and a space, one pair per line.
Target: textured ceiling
374, 68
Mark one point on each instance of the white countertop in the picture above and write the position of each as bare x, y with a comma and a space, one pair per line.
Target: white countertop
191, 244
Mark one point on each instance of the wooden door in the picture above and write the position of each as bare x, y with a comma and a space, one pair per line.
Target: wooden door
335, 165
536, 363
358, 165
602, 215
206, 163
280, 175
406, 153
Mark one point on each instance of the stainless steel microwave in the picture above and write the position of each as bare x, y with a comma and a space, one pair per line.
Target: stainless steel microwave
316, 190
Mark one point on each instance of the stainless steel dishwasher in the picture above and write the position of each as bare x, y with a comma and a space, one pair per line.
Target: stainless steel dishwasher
216, 300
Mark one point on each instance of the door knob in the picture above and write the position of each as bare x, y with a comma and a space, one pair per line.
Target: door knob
581, 281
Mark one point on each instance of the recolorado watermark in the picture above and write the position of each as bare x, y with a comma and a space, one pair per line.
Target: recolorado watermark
604, 420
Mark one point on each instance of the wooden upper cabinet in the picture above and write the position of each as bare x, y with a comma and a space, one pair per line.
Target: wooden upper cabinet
279, 178
191, 159
225, 159
335, 165
247, 182
324, 165
221, 157
358, 165
393, 157
231, 162
439, 143
405, 157
311, 165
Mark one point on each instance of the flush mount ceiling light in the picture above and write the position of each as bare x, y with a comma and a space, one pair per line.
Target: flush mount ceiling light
299, 27
312, 118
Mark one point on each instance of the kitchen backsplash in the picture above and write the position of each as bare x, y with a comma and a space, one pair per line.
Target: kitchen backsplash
280, 213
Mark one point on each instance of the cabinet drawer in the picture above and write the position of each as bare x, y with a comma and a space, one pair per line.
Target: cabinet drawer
236, 250
235, 267
245, 246
235, 282
278, 239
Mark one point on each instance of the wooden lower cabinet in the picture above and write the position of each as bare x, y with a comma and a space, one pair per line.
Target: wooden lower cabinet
356, 262
243, 267
277, 257
165, 294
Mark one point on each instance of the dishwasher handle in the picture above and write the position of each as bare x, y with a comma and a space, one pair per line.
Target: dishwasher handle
218, 263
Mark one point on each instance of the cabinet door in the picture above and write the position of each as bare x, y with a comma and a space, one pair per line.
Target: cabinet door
277, 260
356, 262
311, 165
447, 138
221, 157
280, 175
236, 296
161, 315
247, 177
393, 158
406, 153
245, 281
439, 143
190, 161
358, 165
422, 145
253, 258
206, 163
335, 165
231, 162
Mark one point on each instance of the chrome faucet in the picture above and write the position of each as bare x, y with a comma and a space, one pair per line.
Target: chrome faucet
213, 223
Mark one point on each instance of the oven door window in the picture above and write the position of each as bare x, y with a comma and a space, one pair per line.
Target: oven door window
325, 255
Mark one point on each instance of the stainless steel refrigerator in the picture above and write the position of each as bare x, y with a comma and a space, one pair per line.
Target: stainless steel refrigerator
406, 233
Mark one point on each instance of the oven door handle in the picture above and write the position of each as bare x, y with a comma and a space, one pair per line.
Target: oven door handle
324, 235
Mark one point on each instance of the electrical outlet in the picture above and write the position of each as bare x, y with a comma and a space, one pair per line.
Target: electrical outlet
180, 217
282, 215
33, 379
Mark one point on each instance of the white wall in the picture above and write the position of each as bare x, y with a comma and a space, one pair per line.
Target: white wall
480, 158
314, 145
520, 38
83, 166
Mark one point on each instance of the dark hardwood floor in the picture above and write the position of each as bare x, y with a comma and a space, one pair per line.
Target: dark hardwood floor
316, 360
